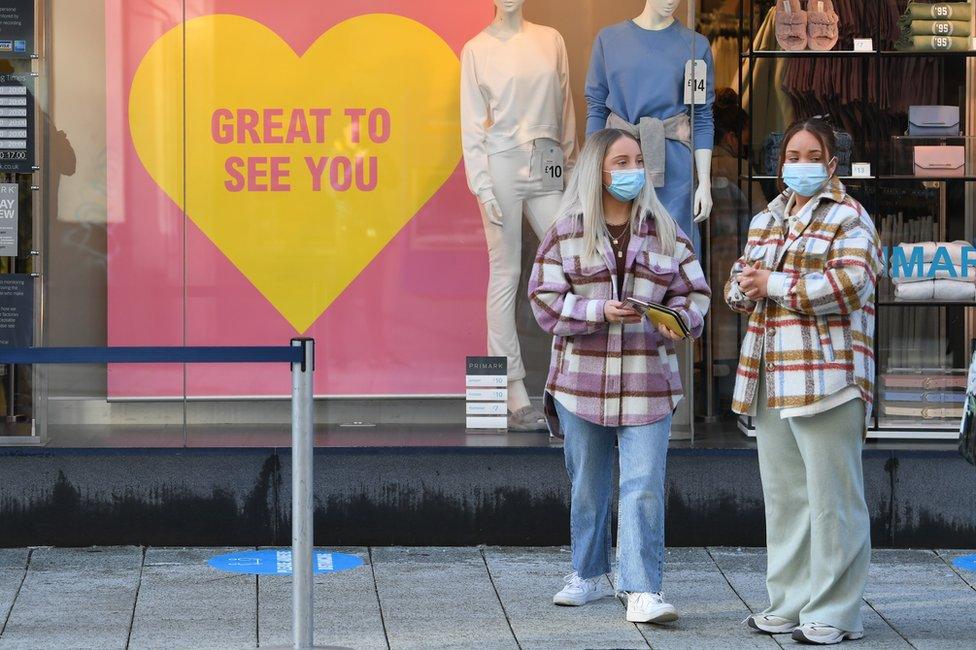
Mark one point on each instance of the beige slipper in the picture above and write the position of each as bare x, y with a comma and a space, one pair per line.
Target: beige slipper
791, 25
822, 24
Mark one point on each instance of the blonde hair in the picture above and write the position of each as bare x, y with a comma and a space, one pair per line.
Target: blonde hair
584, 197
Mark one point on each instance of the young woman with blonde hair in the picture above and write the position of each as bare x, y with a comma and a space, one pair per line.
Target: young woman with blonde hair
613, 376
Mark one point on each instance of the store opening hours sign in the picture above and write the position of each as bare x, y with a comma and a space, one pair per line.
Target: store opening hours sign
17, 123
310, 155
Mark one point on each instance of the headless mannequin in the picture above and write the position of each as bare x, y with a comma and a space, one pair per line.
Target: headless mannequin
505, 25
637, 71
514, 74
658, 15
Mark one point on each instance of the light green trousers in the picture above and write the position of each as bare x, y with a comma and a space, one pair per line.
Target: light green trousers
818, 530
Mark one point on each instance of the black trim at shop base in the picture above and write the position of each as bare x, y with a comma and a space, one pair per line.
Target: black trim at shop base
428, 496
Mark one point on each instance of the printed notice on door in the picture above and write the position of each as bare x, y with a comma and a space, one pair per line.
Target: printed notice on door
16, 29
16, 310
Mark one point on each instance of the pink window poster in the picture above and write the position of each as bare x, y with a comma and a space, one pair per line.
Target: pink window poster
292, 169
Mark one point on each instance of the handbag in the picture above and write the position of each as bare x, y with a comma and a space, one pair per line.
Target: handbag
967, 433
967, 429
940, 161
933, 121
774, 141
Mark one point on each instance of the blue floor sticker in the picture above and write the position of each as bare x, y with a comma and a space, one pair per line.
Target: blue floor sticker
966, 562
278, 562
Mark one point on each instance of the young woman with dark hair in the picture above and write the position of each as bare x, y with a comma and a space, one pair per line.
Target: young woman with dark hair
806, 373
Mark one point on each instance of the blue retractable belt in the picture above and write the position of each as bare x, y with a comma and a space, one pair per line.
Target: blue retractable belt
206, 354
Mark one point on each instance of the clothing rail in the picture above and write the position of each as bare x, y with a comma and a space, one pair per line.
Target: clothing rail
301, 355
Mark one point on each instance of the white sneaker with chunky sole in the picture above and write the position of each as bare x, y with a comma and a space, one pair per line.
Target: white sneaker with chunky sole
770, 624
645, 607
820, 634
579, 591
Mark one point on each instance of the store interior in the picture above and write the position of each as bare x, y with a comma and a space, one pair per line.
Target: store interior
923, 335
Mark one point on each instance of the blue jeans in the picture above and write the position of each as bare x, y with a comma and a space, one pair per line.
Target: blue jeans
640, 532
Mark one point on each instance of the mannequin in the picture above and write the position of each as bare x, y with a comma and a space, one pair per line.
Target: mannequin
518, 132
636, 80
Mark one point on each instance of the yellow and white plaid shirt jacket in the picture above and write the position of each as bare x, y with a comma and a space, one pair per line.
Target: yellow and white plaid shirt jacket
815, 330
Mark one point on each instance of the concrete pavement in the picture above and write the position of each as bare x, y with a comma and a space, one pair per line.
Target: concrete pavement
473, 597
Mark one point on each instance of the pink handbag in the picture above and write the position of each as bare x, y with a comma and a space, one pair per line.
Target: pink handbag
940, 161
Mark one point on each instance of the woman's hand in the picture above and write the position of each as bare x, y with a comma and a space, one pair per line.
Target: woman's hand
617, 312
754, 281
668, 334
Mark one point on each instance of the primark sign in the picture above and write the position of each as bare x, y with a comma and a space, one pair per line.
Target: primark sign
956, 261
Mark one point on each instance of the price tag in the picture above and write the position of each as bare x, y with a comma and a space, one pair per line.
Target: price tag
863, 45
696, 76
549, 165
861, 170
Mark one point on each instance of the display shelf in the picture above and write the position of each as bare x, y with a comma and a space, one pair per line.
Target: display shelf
746, 177
940, 138
884, 54
969, 178
891, 159
900, 54
923, 303
784, 54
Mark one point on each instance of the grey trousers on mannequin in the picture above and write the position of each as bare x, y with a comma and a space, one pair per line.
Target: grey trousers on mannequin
517, 194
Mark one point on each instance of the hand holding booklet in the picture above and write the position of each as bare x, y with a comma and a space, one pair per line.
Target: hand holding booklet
661, 315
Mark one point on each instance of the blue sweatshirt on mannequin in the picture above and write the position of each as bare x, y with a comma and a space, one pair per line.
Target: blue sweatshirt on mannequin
636, 72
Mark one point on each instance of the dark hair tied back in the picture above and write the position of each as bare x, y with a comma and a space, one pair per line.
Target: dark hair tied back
821, 130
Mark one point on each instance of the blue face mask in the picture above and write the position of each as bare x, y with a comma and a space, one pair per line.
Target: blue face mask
806, 179
626, 184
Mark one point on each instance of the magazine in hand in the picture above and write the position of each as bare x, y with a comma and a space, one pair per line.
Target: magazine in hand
661, 315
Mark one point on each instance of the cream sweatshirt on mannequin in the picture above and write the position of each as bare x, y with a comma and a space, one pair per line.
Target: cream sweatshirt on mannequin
513, 91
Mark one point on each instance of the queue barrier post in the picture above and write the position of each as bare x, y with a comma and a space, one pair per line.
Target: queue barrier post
301, 355
302, 507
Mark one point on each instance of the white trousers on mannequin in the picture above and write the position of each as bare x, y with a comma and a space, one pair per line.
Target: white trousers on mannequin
517, 194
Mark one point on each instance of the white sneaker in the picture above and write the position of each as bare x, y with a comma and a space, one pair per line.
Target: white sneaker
579, 591
820, 634
645, 607
770, 624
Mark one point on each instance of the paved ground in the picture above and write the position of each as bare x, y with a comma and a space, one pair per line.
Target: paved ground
440, 598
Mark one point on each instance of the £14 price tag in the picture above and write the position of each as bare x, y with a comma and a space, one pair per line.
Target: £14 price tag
696, 73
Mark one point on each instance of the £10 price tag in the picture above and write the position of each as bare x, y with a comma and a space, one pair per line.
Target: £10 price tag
550, 166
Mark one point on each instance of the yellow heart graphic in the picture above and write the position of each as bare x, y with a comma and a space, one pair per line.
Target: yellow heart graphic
300, 169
